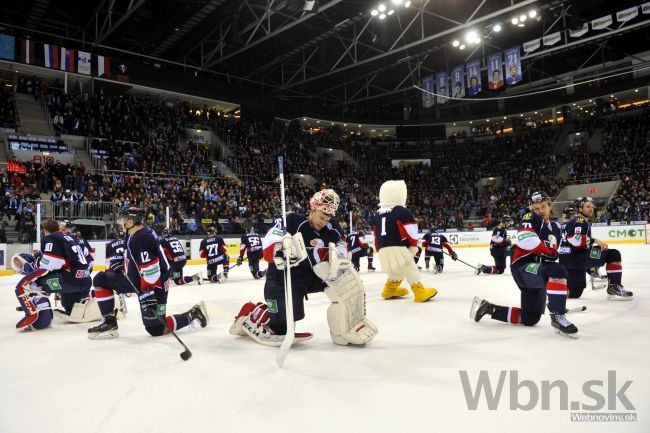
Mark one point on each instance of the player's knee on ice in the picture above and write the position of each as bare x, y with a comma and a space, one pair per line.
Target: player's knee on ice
530, 318
99, 280
612, 256
155, 331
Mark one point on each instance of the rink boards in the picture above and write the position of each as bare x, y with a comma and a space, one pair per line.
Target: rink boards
614, 234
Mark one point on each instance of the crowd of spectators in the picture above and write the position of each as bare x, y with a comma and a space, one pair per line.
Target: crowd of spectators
149, 161
7, 107
623, 156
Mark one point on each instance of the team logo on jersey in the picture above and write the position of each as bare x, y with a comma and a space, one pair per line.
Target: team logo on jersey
533, 268
272, 305
595, 253
54, 284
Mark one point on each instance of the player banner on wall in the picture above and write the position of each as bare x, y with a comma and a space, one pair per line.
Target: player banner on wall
83, 62
473, 69
552, 39
645, 8
513, 65
531, 46
602, 22
577, 32
442, 87
427, 98
495, 73
457, 82
7, 44
627, 14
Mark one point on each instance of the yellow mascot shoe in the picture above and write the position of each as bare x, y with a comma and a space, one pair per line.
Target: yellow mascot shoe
393, 290
422, 293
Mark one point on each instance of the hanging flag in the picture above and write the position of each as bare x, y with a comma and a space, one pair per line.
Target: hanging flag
552, 39
495, 73
473, 69
627, 14
7, 46
513, 65
27, 51
68, 59
83, 62
531, 46
442, 87
576, 33
458, 82
602, 22
427, 96
51, 53
103, 67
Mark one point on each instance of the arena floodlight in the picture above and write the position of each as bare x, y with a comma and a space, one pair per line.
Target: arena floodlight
471, 37
382, 16
407, 4
515, 21
455, 43
522, 18
497, 28
374, 12
396, 2
391, 12
462, 46
532, 13
382, 7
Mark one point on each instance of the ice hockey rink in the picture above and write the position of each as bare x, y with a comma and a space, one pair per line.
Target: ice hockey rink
407, 380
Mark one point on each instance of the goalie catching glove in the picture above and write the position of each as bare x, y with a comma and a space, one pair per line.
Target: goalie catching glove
291, 248
347, 314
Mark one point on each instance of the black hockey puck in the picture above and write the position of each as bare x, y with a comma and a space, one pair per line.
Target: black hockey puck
19, 308
186, 355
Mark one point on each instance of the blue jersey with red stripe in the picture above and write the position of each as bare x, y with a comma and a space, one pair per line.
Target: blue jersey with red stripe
62, 251
251, 244
87, 248
316, 243
356, 243
115, 254
434, 242
537, 240
395, 227
174, 251
144, 260
213, 249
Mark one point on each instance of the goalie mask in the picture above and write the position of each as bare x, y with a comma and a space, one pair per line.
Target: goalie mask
392, 193
326, 201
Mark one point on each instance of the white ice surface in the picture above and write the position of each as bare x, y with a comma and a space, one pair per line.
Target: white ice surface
406, 380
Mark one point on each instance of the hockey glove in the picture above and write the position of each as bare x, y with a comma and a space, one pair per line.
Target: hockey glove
454, 256
240, 260
291, 247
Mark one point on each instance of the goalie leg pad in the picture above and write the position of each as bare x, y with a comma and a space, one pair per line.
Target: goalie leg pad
347, 314
86, 310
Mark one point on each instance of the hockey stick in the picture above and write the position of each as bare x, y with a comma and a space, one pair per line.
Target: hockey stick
186, 354
288, 294
463, 262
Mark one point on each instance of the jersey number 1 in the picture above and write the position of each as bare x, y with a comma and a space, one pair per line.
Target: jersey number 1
383, 226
